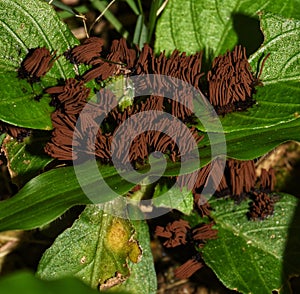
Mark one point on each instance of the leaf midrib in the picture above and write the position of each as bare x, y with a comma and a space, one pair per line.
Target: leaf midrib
246, 238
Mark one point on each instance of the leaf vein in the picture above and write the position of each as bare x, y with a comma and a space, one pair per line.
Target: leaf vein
40, 30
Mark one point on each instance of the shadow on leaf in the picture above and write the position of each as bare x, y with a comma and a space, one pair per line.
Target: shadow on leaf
291, 257
248, 32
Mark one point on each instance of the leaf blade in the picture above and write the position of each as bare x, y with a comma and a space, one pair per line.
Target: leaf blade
18, 104
46, 196
281, 41
258, 245
175, 198
144, 270
192, 35
25, 159
98, 246
51, 205
27, 25
26, 283
33, 24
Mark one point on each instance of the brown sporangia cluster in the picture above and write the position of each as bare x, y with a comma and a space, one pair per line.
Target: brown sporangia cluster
187, 269
175, 233
237, 179
86, 53
119, 60
267, 180
36, 64
262, 205
179, 233
178, 66
240, 182
71, 97
231, 86
15, 132
231, 82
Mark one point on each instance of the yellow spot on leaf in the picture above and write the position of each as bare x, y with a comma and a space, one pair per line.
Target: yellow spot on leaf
118, 235
120, 240
134, 251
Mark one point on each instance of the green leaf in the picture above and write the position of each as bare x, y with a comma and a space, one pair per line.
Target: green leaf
238, 144
25, 159
262, 140
102, 7
133, 6
282, 37
140, 36
50, 194
276, 104
61, 6
175, 198
296, 10
46, 196
18, 106
142, 278
27, 283
2, 137
153, 16
28, 24
253, 251
213, 26
97, 250
278, 101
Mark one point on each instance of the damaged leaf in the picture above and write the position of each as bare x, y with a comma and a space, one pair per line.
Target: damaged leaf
24, 159
26, 282
100, 249
143, 270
